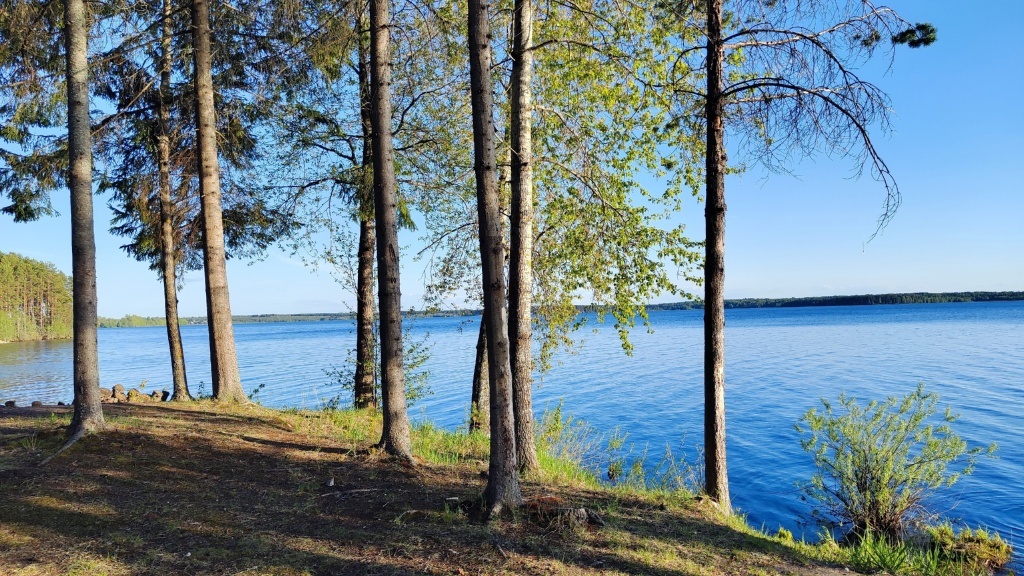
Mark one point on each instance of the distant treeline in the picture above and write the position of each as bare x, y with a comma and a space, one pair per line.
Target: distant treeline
134, 321
322, 316
131, 320
857, 300
258, 318
35, 300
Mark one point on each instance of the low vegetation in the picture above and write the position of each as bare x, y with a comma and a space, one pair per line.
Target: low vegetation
205, 488
878, 466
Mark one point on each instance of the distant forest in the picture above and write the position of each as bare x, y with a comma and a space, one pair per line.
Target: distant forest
135, 321
35, 304
856, 300
859, 300
318, 316
35, 300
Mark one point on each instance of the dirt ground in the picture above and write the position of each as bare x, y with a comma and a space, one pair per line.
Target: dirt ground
205, 489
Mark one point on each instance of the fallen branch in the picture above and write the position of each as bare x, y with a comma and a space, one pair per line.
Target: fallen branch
346, 492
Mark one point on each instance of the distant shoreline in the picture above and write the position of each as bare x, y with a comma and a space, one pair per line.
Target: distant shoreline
130, 321
854, 300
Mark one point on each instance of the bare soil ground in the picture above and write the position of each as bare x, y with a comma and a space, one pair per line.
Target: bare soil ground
206, 489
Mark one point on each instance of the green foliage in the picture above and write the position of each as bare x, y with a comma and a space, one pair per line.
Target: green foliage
414, 358
671, 474
35, 300
254, 396
33, 159
921, 34
603, 233
599, 126
878, 463
443, 447
566, 448
202, 394
968, 553
978, 549
569, 449
133, 321
874, 553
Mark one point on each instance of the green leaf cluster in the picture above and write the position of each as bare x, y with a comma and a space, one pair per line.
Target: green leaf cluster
605, 232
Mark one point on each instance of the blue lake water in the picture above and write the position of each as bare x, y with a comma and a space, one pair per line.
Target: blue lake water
779, 363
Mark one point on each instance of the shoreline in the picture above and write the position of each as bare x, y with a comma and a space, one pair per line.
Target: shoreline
899, 298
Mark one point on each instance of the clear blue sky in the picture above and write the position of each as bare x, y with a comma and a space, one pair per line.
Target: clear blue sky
957, 152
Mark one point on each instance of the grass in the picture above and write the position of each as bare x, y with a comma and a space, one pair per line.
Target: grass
205, 489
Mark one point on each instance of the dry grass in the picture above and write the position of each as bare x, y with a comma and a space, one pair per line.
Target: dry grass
207, 489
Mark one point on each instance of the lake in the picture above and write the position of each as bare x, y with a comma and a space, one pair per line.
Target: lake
779, 363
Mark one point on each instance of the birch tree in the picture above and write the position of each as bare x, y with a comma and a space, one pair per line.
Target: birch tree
520, 277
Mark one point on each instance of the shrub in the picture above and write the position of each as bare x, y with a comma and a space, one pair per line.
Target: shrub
877, 464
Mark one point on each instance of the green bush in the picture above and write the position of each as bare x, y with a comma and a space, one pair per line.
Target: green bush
877, 464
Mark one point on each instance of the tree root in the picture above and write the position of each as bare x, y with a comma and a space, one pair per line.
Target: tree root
78, 435
494, 512
401, 456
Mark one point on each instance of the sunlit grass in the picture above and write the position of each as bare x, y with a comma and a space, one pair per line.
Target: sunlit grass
441, 446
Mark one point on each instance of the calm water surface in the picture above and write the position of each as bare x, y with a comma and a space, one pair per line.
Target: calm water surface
779, 363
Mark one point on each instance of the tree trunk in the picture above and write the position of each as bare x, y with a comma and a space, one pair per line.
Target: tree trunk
503, 478
480, 404
520, 275
365, 392
366, 361
167, 243
395, 438
88, 415
227, 383
714, 269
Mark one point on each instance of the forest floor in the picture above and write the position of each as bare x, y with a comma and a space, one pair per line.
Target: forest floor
201, 488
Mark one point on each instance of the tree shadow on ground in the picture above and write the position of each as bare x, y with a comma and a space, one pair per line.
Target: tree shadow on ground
194, 491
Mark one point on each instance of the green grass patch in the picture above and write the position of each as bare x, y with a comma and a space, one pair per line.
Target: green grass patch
441, 446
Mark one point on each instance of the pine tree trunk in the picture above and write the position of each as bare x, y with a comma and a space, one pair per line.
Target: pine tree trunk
520, 300
88, 414
167, 243
366, 361
716, 476
480, 403
503, 477
365, 393
226, 381
395, 438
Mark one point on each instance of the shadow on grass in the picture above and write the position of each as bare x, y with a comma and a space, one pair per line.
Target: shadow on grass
187, 491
